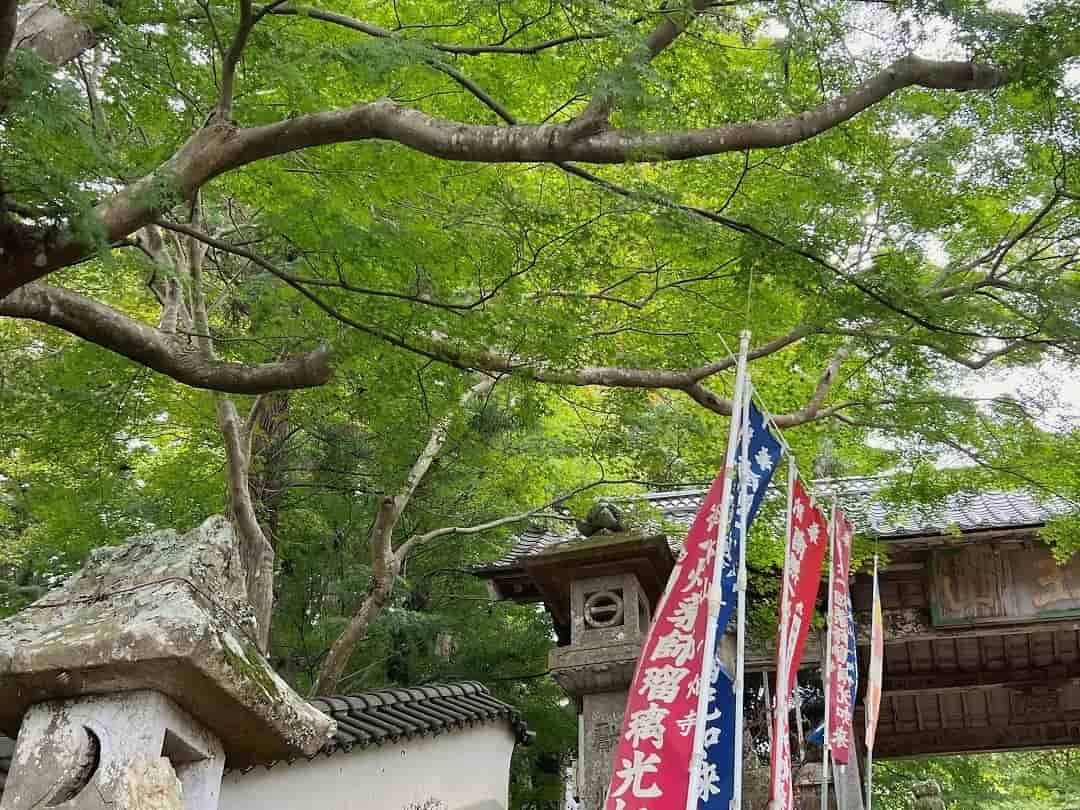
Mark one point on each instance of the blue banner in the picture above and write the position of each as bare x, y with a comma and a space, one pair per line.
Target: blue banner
715, 785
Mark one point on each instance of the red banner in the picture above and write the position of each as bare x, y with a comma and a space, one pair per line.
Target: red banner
839, 690
652, 761
877, 655
807, 538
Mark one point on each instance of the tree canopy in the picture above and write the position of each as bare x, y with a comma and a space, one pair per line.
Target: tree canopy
386, 280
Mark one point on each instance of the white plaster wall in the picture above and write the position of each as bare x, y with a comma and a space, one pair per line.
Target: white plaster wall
465, 770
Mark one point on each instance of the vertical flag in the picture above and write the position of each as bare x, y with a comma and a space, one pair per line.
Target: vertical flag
806, 541
839, 705
873, 684
652, 760
714, 779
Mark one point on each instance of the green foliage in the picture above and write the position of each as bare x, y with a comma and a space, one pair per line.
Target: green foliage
853, 234
1043, 780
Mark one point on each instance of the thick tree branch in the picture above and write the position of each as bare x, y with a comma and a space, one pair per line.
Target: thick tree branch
813, 409
688, 381
158, 350
452, 140
221, 147
675, 21
231, 58
256, 553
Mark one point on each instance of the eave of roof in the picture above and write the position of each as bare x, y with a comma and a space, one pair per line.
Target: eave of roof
961, 513
383, 716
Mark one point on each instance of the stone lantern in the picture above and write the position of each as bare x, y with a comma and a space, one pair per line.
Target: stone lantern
600, 591
133, 684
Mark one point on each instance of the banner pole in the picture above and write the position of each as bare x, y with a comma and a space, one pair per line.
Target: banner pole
828, 663
782, 642
869, 778
770, 704
740, 592
799, 721
713, 601
870, 747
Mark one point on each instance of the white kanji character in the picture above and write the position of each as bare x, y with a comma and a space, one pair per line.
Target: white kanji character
647, 724
813, 531
685, 615
797, 509
714, 518
792, 582
708, 546
708, 780
717, 668
763, 459
794, 630
696, 577
633, 774
688, 723
839, 738
675, 644
712, 736
662, 683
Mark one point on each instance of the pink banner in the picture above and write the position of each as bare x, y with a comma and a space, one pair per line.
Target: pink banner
839, 691
652, 761
807, 538
877, 656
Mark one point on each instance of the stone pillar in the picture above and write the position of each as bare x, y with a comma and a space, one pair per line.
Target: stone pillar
847, 782
609, 616
131, 684
131, 750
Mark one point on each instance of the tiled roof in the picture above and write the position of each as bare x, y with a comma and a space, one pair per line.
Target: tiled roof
872, 515
391, 715
962, 511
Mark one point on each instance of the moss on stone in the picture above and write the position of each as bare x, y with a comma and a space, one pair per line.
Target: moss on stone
249, 664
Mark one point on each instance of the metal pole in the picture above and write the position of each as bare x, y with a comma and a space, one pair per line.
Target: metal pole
714, 597
828, 664
869, 735
799, 720
782, 641
869, 778
770, 707
740, 591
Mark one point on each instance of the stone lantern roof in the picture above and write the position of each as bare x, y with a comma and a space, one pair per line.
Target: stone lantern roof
167, 613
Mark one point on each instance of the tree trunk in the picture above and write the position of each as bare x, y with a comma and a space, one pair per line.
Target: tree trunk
385, 569
256, 553
266, 480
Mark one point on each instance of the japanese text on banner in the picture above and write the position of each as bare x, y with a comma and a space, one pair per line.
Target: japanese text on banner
839, 697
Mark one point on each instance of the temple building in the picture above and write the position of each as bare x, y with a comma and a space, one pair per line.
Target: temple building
982, 626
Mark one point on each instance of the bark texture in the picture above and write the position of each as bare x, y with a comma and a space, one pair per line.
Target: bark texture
385, 560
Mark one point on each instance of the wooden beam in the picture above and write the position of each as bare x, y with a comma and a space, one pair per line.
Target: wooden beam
1015, 737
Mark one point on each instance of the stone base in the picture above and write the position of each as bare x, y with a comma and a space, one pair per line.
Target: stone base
132, 751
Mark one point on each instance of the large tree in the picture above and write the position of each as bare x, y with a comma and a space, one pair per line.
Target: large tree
263, 198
